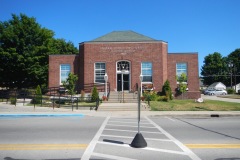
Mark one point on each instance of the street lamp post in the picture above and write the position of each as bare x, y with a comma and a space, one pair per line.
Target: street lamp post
141, 79
139, 141
106, 79
230, 65
122, 88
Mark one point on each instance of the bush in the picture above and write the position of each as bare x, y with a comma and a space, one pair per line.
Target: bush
60, 102
95, 95
166, 90
163, 98
13, 100
150, 96
230, 91
38, 97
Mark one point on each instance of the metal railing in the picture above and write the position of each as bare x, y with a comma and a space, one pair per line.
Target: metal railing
29, 97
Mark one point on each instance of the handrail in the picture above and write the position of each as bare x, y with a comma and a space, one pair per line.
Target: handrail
86, 87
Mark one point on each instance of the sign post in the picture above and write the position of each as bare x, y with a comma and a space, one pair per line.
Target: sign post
139, 141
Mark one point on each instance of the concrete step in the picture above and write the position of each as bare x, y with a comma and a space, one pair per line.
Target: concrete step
120, 101
116, 97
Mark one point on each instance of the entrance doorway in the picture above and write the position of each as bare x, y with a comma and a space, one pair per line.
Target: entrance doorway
122, 82
123, 75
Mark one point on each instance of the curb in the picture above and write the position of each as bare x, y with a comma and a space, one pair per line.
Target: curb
41, 115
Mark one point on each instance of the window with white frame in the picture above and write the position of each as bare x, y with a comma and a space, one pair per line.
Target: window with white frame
99, 71
181, 68
65, 69
147, 71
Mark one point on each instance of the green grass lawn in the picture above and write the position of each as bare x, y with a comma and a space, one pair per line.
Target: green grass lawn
191, 105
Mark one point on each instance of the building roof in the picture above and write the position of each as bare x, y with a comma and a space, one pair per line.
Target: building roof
123, 36
217, 85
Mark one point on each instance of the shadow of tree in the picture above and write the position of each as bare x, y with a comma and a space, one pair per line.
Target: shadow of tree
236, 138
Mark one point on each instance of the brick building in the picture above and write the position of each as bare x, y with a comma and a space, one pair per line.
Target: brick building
123, 56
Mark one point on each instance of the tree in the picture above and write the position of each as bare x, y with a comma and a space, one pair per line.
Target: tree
166, 90
234, 58
182, 83
24, 50
95, 95
38, 96
70, 83
214, 69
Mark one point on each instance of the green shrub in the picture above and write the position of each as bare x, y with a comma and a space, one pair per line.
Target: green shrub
13, 100
60, 102
163, 98
230, 91
150, 96
38, 96
95, 94
166, 90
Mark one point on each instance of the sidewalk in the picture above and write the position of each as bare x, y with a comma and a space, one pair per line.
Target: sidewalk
7, 108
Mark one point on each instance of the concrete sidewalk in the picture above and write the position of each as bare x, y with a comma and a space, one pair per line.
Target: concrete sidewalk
7, 108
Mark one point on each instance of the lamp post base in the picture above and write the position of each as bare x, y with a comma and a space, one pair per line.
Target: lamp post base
139, 141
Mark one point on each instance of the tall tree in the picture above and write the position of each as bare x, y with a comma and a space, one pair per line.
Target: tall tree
24, 50
214, 69
234, 58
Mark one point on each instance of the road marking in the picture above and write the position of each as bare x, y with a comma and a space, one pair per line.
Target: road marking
111, 156
121, 130
125, 122
88, 152
42, 146
153, 139
129, 126
213, 146
177, 142
147, 148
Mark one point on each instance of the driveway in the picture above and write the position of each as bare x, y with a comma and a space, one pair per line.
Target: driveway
220, 98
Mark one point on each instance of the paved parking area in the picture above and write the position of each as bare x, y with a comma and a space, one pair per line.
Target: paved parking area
114, 137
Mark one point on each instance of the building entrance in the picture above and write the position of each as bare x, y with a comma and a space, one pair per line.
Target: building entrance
123, 81
123, 75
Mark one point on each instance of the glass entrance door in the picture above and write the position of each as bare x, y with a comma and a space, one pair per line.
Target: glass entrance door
122, 82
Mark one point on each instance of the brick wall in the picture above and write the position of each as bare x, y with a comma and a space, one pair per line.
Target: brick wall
135, 53
164, 64
54, 67
192, 72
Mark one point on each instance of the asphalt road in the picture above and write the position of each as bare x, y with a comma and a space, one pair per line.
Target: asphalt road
50, 138
90, 137
209, 138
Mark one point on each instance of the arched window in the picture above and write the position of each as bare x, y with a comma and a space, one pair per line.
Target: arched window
123, 66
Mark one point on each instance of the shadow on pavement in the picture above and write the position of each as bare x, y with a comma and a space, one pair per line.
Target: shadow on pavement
212, 132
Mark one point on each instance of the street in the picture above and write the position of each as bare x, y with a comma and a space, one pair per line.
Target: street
90, 137
28, 138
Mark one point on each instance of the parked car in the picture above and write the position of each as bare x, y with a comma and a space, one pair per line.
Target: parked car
207, 91
216, 92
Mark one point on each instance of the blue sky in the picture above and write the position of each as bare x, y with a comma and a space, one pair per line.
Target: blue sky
203, 26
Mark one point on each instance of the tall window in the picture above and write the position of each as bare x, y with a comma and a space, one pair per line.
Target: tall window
181, 68
147, 71
65, 69
100, 69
